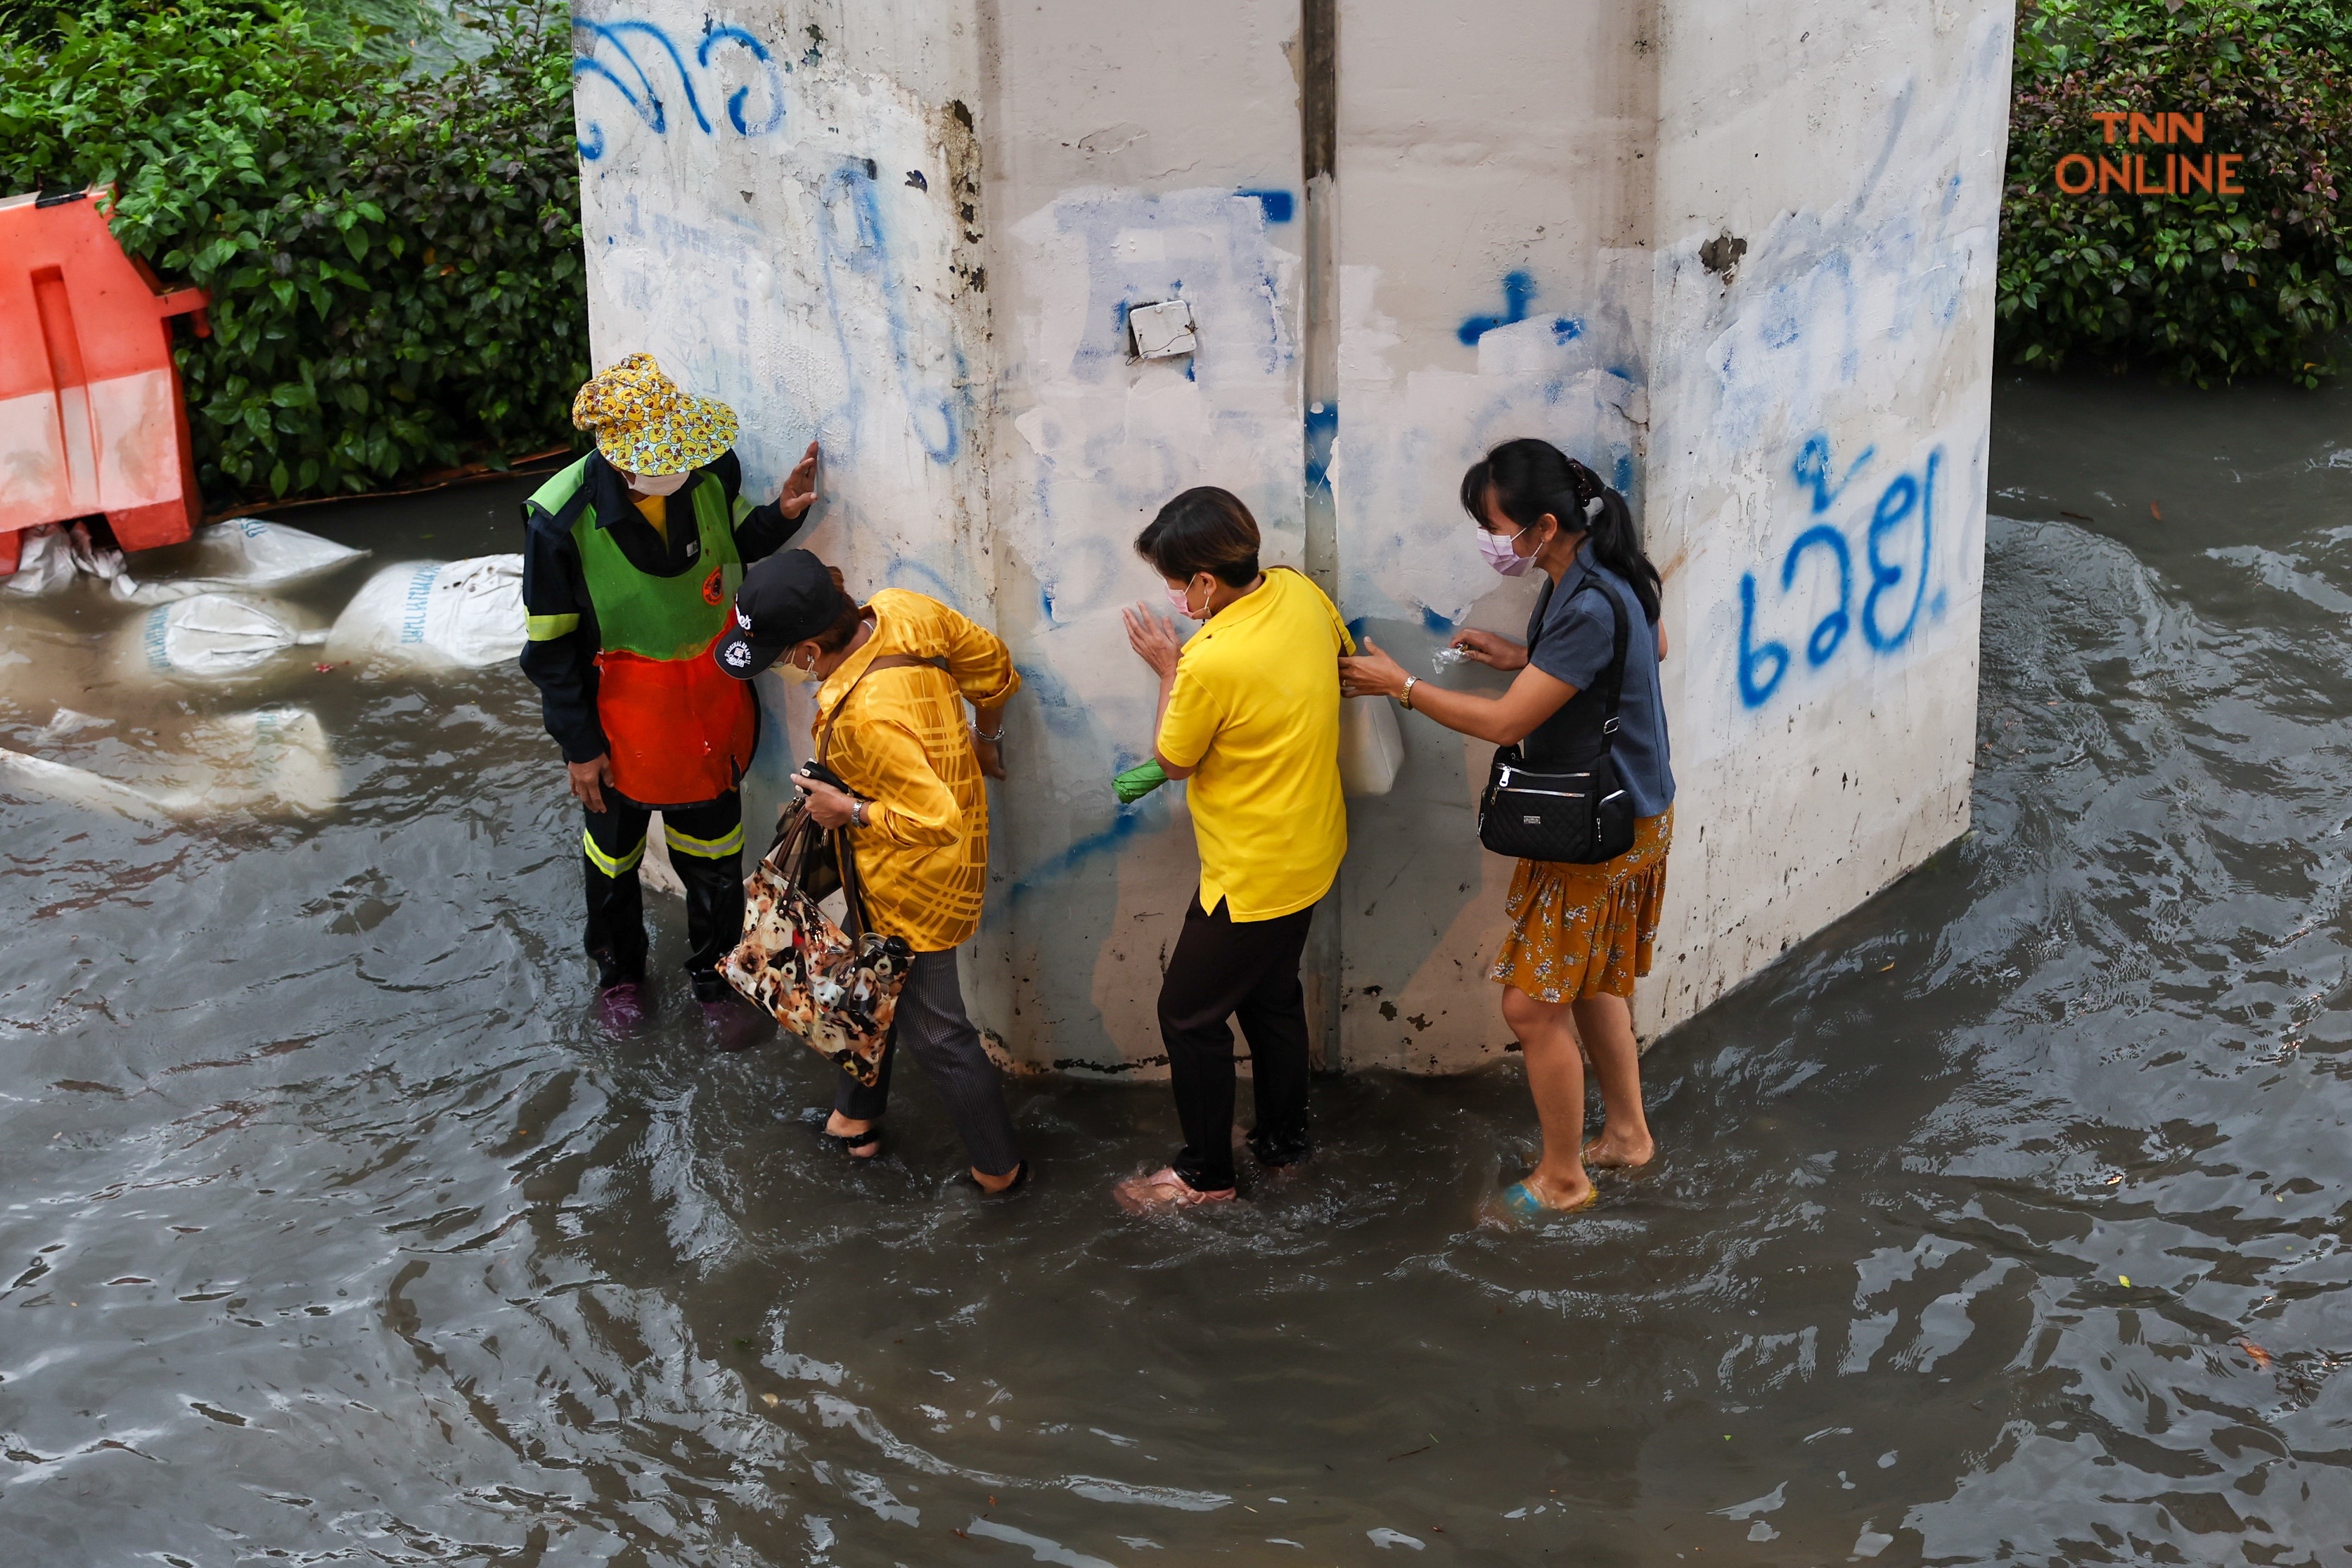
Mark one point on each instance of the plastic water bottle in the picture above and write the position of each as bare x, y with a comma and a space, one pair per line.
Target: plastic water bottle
1447, 658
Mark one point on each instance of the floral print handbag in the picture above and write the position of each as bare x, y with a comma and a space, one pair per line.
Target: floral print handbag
836, 989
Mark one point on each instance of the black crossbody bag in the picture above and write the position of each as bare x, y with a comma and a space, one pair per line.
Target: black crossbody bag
1572, 808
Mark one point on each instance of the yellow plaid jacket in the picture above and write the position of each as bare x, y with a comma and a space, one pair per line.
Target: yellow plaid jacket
900, 738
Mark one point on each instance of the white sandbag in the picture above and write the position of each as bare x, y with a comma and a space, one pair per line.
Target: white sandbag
244, 553
435, 614
273, 759
38, 777
210, 636
44, 561
1371, 748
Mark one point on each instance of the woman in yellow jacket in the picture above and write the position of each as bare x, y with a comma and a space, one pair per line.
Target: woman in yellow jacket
897, 671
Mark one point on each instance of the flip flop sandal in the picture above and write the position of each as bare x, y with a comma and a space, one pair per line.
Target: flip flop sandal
848, 1143
1521, 1204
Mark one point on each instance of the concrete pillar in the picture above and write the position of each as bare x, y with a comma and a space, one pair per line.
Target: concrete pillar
1740, 257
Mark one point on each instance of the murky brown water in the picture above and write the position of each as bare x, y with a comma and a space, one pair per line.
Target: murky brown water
330, 1230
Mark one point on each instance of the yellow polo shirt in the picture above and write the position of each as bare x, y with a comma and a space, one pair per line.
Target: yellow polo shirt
1256, 709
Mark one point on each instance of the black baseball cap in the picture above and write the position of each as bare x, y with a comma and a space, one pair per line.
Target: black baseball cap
786, 599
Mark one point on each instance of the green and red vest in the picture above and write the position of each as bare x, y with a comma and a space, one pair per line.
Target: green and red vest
680, 730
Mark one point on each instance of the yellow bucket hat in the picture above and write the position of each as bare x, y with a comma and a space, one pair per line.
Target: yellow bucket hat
643, 422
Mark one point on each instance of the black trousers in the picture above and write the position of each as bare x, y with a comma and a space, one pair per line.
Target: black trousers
1248, 971
706, 845
932, 1024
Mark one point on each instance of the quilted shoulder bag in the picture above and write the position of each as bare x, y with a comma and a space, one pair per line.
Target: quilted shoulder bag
1563, 799
836, 987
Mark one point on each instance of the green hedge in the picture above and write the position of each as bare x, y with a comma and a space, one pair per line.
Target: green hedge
394, 256
2203, 287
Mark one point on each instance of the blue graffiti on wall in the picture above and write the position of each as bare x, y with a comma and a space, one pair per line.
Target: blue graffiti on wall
1897, 571
852, 243
592, 41
1277, 206
1518, 293
1812, 471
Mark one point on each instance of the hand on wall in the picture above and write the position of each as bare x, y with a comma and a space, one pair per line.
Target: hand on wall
800, 485
1153, 639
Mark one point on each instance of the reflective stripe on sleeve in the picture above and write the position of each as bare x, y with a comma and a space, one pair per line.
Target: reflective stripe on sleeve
616, 866
707, 848
547, 628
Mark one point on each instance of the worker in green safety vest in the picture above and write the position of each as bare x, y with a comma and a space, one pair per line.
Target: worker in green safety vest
631, 557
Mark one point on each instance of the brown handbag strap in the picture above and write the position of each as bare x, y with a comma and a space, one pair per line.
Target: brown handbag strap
853, 888
880, 661
844, 857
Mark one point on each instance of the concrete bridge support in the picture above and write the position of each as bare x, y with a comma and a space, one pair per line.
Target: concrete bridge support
1739, 253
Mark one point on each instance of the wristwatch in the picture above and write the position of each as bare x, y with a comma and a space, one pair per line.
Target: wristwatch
860, 815
1406, 695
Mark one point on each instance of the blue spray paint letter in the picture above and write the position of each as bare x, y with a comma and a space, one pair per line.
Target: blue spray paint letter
1812, 467
590, 39
1896, 504
1752, 690
1519, 288
1833, 626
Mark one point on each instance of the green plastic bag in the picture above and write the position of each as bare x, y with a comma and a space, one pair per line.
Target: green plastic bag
1139, 781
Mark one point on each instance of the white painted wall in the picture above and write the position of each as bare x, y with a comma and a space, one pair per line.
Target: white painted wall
775, 213
1838, 387
1523, 188
1122, 139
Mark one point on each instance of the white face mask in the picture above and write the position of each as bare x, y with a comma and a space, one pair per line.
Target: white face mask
655, 484
1180, 601
794, 674
1496, 548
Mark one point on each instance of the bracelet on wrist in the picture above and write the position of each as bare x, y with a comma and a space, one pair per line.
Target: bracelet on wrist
979, 734
1406, 695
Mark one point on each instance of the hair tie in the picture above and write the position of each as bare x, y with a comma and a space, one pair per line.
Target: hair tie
1587, 484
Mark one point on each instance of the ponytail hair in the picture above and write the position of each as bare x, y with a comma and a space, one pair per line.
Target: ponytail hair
1527, 478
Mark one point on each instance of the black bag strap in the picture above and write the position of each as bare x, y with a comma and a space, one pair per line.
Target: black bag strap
1614, 685
1612, 682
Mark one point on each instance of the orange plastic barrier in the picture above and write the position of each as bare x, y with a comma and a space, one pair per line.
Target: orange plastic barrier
91, 419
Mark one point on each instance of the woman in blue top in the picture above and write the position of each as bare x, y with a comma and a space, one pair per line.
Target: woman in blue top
1580, 935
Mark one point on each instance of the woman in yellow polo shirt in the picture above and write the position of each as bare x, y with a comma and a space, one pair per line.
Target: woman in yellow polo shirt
1249, 713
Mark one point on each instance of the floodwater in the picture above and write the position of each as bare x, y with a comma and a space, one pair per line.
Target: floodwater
2003, 1222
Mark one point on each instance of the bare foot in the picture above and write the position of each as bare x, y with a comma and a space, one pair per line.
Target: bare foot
1003, 1184
1162, 1190
1610, 1153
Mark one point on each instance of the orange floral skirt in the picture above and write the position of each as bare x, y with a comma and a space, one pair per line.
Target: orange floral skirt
1587, 931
